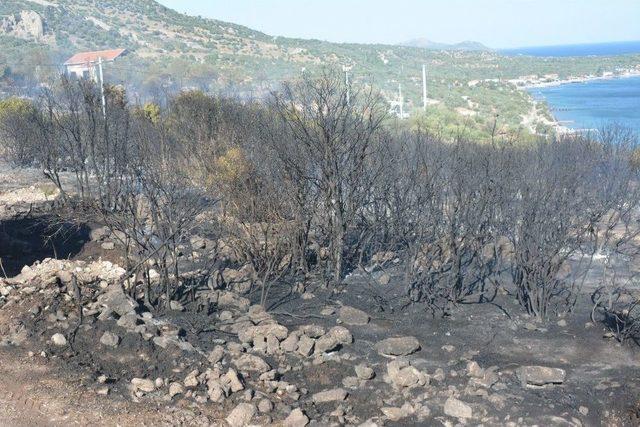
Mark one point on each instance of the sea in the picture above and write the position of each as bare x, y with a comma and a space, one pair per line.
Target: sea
596, 103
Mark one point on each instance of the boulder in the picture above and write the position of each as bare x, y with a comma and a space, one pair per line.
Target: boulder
296, 418
365, 372
251, 363
142, 384
175, 389
247, 335
399, 346
59, 340
539, 376
334, 395
110, 339
241, 415
353, 316
458, 409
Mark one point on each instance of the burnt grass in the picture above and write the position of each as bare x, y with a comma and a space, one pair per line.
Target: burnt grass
602, 375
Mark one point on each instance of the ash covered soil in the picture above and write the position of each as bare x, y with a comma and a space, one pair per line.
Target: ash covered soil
356, 355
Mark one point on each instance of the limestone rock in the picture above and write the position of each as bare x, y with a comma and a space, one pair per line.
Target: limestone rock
353, 316
540, 375
59, 340
110, 339
399, 346
241, 415
251, 363
458, 409
334, 395
296, 418
175, 389
365, 372
142, 384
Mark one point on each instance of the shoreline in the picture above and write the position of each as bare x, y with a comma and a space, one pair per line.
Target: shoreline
577, 80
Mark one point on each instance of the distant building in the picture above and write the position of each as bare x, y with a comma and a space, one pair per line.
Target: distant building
83, 65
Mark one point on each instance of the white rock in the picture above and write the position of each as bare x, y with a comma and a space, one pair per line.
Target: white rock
59, 340
458, 409
241, 415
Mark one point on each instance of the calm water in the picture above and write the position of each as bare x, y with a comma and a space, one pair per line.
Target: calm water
598, 49
596, 103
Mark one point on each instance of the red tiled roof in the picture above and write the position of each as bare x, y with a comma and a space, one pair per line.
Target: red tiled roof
89, 57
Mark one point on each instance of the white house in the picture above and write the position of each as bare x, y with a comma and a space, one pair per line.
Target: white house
83, 65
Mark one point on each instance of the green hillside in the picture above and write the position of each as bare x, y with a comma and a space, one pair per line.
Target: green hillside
169, 51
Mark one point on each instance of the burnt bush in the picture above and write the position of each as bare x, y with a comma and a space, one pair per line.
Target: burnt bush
317, 173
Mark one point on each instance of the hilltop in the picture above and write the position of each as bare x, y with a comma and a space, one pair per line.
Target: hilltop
467, 89
429, 44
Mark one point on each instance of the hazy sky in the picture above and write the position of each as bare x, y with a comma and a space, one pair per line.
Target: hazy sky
497, 23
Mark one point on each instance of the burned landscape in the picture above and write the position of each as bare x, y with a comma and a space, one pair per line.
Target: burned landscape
302, 260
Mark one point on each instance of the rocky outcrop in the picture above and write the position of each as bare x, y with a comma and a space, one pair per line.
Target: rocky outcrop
26, 25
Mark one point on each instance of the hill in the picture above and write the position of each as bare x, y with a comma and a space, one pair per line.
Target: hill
464, 46
467, 89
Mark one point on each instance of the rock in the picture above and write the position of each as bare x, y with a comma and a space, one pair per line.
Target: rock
241, 415
142, 384
334, 395
251, 363
176, 306
110, 339
296, 418
327, 311
108, 246
562, 323
396, 414
265, 406
216, 354
584, 410
290, 344
540, 375
305, 346
458, 409
400, 373
384, 279
59, 340
312, 331
191, 380
175, 389
114, 300
247, 335
399, 346
233, 381
364, 372
353, 316
99, 234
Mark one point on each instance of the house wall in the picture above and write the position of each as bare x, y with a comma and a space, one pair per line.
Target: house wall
82, 72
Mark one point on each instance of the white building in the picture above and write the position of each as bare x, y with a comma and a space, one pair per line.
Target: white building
84, 65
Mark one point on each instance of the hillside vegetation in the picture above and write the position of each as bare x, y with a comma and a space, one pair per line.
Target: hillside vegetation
170, 51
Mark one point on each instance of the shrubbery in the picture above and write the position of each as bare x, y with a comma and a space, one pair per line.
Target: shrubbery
315, 182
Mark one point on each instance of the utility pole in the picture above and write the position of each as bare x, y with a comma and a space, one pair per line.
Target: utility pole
104, 102
424, 87
401, 101
346, 81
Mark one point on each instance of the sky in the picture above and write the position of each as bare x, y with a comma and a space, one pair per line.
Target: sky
496, 23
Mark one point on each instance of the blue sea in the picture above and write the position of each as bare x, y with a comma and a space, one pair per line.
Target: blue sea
596, 49
595, 104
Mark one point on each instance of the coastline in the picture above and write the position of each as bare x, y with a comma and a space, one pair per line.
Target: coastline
564, 127
583, 79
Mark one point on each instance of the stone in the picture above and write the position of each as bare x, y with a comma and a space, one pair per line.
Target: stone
334, 395
305, 346
216, 354
108, 246
251, 363
296, 418
457, 409
399, 346
175, 389
353, 316
110, 339
176, 306
99, 234
59, 340
247, 335
396, 414
290, 344
584, 410
241, 415
365, 372
233, 381
142, 384
312, 331
351, 382
401, 374
265, 406
538, 376
384, 279
191, 380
